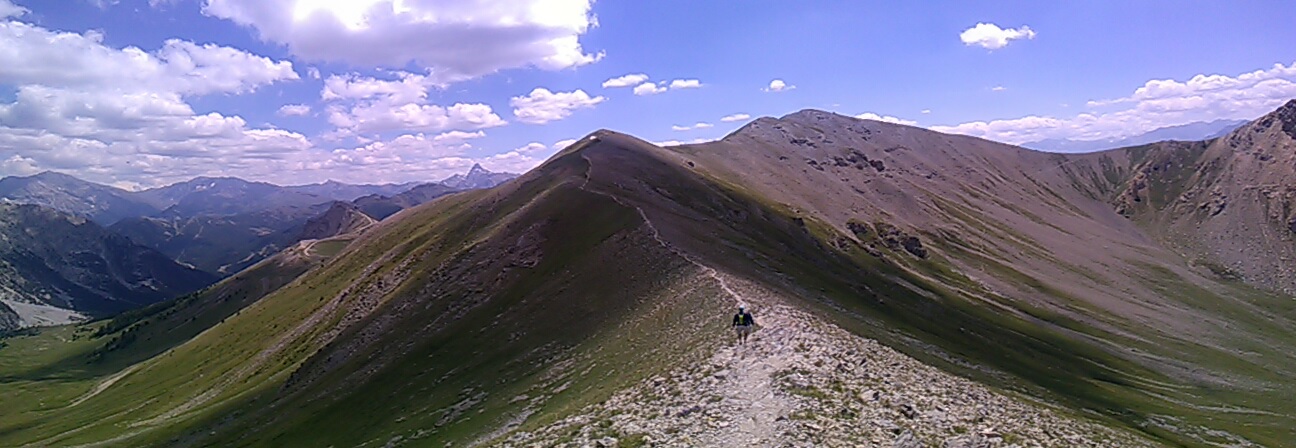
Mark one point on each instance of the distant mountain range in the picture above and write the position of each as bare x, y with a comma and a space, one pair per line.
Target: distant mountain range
52, 258
202, 196
221, 244
213, 227
1187, 132
101, 203
380, 207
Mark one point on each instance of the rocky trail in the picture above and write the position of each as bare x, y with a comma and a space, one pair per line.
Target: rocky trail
802, 382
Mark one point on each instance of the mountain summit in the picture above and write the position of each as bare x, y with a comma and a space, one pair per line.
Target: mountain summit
476, 177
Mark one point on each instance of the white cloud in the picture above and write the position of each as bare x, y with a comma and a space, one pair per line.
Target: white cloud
685, 84
294, 110
457, 136
648, 88
998, 89
34, 55
699, 125
992, 36
778, 85
313, 72
542, 106
408, 88
1157, 104
625, 81
926, 111
103, 4
366, 105
8, 9
522, 159
680, 142
562, 144
504, 34
735, 117
989, 35
885, 118
120, 115
383, 116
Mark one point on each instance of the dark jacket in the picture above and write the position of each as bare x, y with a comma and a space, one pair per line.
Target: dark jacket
743, 318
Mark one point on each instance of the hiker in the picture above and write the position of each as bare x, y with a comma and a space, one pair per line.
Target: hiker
743, 323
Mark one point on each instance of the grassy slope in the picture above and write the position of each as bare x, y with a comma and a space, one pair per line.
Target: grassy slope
466, 328
573, 351
49, 369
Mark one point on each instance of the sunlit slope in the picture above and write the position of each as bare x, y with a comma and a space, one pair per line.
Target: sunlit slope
49, 372
540, 289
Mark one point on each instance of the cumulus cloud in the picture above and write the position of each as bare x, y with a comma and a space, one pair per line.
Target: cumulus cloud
294, 110
885, 118
360, 105
123, 116
523, 159
648, 88
991, 36
625, 81
457, 136
542, 106
408, 157
926, 111
998, 89
685, 84
734, 117
407, 88
504, 34
120, 115
34, 55
8, 9
383, 116
1157, 104
561, 144
778, 85
699, 125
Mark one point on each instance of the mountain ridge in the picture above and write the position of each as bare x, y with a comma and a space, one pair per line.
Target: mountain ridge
52, 258
1008, 266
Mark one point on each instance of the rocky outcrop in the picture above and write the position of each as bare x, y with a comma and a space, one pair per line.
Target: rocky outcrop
895, 239
1284, 117
9, 320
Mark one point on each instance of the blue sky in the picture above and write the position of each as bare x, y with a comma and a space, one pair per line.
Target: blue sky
144, 92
